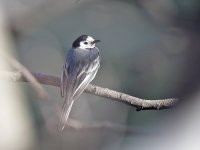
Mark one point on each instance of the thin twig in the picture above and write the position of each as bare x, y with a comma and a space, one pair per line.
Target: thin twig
140, 104
28, 76
77, 125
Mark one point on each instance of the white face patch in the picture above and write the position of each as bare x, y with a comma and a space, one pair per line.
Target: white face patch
87, 43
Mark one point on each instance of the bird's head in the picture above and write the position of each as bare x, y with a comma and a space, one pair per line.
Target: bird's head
84, 42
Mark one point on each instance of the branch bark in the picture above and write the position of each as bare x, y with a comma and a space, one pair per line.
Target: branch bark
140, 104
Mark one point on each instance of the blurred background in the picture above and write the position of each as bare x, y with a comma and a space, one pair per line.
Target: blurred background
149, 49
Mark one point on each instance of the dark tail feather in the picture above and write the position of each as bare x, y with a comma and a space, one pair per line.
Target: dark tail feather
65, 114
67, 106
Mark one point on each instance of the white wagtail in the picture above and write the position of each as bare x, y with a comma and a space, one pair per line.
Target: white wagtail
80, 68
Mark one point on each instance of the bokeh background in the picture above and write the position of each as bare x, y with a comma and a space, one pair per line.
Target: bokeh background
149, 49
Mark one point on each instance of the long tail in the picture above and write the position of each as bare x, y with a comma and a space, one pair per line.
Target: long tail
67, 106
65, 114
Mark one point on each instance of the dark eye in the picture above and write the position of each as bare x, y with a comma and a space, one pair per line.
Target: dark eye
86, 43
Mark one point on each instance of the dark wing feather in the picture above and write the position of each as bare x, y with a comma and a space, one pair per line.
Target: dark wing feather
84, 79
63, 82
89, 62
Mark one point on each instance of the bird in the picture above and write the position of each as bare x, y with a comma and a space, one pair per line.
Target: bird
80, 67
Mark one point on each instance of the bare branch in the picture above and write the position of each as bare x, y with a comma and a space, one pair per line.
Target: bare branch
140, 104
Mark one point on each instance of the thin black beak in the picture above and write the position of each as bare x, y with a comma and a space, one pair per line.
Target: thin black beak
96, 41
